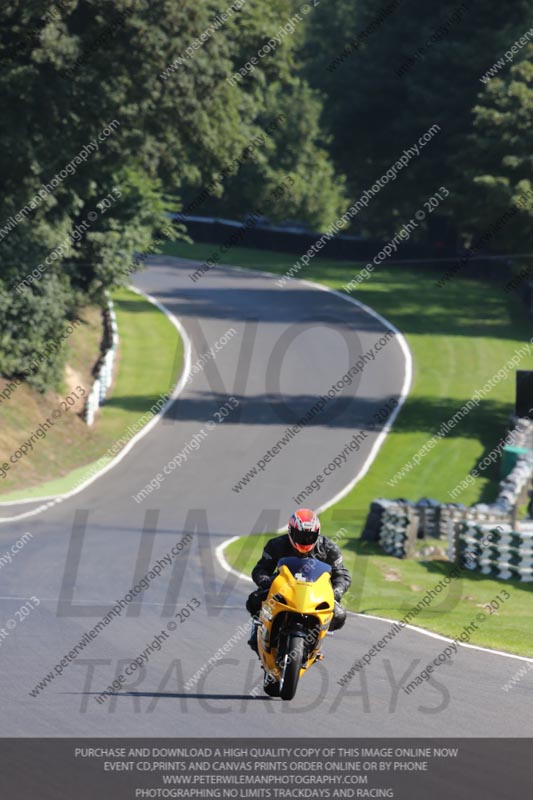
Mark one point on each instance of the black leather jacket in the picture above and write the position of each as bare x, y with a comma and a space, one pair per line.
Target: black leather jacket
324, 550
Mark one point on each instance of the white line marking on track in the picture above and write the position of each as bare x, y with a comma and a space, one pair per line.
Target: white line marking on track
55, 601
219, 552
221, 558
55, 499
408, 376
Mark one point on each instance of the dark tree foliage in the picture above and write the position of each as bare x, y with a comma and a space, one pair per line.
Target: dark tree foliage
112, 97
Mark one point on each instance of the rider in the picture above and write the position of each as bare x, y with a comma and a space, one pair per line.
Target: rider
303, 539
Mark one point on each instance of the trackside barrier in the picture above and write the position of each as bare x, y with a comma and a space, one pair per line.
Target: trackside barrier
396, 524
451, 515
287, 239
399, 527
497, 551
373, 522
103, 371
429, 513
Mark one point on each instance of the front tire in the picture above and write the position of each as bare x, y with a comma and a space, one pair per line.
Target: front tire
292, 667
270, 687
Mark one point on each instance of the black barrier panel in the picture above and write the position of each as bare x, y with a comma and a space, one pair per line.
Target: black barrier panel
406, 769
524, 393
350, 248
272, 238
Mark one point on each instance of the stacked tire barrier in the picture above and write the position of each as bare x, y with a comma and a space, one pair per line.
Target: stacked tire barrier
398, 532
497, 551
429, 512
452, 513
103, 371
397, 524
514, 487
500, 550
522, 430
374, 519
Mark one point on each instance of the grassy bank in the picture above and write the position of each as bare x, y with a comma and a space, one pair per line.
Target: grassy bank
150, 360
459, 335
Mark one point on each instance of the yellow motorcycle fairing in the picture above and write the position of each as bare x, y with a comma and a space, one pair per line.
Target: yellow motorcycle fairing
300, 597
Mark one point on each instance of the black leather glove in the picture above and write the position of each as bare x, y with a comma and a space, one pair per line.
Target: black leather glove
337, 594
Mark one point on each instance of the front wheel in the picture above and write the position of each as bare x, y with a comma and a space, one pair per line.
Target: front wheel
291, 667
270, 686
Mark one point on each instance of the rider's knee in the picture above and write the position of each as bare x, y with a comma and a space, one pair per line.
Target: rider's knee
339, 617
255, 599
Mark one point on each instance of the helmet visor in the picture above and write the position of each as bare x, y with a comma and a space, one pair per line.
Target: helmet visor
305, 538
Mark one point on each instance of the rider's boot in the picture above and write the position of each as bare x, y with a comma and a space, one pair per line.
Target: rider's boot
252, 641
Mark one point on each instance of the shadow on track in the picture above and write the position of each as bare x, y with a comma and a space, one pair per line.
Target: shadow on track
177, 695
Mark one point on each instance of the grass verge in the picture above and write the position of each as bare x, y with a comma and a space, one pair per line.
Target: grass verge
150, 360
460, 335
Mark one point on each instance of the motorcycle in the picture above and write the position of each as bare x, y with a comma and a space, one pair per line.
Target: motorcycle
293, 621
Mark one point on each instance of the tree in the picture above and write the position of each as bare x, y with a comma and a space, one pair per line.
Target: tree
128, 102
294, 145
393, 72
502, 174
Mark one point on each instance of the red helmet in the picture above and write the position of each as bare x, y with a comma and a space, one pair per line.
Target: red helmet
304, 530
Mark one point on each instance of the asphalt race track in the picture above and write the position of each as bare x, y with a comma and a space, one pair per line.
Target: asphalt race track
292, 345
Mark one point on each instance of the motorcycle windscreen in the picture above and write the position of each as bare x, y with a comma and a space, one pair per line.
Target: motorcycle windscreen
305, 569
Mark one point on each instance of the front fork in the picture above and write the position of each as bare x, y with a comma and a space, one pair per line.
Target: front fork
294, 628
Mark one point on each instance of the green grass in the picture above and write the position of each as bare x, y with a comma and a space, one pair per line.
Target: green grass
149, 363
389, 587
459, 336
